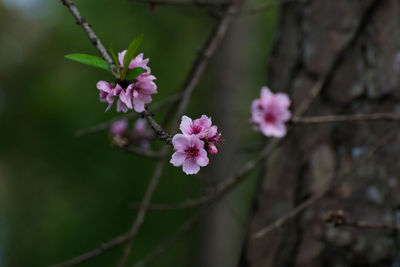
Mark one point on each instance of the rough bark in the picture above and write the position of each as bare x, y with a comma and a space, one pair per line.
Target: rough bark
310, 34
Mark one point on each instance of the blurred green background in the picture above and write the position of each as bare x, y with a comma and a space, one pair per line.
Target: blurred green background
62, 195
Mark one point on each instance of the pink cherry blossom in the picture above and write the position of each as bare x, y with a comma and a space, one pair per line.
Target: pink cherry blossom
270, 112
190, 153
118, 128
107, 92
203, 129
142, 89
138, 61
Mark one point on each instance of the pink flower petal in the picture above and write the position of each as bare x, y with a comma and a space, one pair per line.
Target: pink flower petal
202, 159
180, 142
186, 125
190, 167
178, 158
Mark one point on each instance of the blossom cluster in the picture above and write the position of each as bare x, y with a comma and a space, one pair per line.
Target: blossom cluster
140, 136
270, 112
134, 94
198, 138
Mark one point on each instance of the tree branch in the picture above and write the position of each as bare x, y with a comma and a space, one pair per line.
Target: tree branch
90, 33
338, 218
346, 118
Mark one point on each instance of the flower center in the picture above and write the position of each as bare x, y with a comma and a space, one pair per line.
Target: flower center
269, 118
196, 129
191, 152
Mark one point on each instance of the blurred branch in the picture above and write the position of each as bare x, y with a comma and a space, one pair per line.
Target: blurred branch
143, 152
341, 177
338, 218
189, 224
145, 203
346, 118
202, 59
130, 116
90, 33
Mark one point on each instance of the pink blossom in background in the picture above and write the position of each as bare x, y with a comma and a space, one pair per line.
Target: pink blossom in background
204, 129
138, 61
190, 153
270, 112
118, 128
142, 134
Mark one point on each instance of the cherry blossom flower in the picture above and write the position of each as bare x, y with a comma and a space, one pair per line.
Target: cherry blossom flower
190, 153
138, 61
142, 89
137, 94
270, 112
107, 92
203, 129
118, 128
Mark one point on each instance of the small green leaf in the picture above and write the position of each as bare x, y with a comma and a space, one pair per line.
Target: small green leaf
89, 60
133, 73
114, 58
130, 53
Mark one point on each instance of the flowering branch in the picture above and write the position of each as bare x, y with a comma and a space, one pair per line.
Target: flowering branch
90, 33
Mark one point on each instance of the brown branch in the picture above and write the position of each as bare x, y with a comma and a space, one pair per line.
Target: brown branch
90, 33
266, 7
346, 118
161, 133
341, 177
338, 218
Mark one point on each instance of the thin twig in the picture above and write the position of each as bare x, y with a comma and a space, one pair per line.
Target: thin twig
145, 203
90, 33
189, 224
338, 219
346, 118
201, 61
143, 152
341, 177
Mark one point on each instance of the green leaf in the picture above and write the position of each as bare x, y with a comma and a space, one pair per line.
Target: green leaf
114, 58
89, 60
133, 73
130, 53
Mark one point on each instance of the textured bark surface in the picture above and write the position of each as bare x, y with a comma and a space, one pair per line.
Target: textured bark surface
366, 80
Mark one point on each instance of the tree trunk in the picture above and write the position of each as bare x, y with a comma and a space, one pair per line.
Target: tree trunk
365, 79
